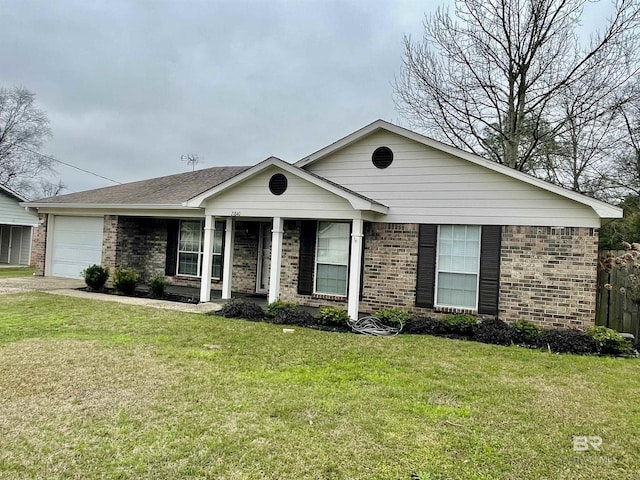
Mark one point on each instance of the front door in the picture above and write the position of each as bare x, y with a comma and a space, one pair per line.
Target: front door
264, 258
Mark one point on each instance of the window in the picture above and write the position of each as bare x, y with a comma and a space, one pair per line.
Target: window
332, 258
458, 266
190, 242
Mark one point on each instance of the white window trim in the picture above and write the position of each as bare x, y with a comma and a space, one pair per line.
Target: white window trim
316, 263
440, 305
200, 252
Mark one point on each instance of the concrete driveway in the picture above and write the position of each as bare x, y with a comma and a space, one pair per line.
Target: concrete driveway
69, 288
38, 284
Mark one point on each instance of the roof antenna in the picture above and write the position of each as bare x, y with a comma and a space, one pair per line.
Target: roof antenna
191, 159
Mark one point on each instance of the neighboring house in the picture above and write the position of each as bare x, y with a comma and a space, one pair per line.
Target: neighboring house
383, 217
16, 227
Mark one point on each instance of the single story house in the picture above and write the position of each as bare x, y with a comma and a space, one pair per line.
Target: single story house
384, 217
16, 228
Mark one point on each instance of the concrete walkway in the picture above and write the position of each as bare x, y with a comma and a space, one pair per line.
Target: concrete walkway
69, 288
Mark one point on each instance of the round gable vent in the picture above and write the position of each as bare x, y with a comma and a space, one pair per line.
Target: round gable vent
382, 157
278, 184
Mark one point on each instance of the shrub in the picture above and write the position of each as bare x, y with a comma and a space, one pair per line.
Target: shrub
274, 307
425, 325
157, 286
241, 309
95, 276
609, 341
293, 315
527, 332
125, 280
494, 331
333, 316
460, 323
567, 341
394, 317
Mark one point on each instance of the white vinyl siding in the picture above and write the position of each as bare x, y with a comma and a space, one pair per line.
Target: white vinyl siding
11, 213
425, 185
190, 248
302, 199
332, 258
458, 266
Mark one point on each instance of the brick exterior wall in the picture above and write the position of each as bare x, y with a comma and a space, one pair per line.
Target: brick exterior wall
390, 267
39, 244
548, 275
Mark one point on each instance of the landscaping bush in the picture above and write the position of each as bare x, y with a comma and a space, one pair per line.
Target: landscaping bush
293, 315
157, 286
609, 341
95, 276
460, 323
494, 331
274, 307
526, 332
125, 280
393, 317
333, 316
241, 309
425, 325
567, 341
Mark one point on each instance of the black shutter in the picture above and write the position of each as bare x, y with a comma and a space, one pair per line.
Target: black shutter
306, 264
489, 269
364, 235
173, 230
426, 277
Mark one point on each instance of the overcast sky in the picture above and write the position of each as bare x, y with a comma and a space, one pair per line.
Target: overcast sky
130, 86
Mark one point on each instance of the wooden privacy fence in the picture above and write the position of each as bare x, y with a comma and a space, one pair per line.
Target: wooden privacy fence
614, 306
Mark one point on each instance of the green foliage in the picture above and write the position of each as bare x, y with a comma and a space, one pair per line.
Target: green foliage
609, 341
460, 323
527, 331
395, 317
125, 280
333, 316
626, 229
274, 307
95, 276
157, 286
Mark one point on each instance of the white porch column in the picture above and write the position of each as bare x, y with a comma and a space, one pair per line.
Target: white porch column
276, 259
227, 263
355, 267
207, 258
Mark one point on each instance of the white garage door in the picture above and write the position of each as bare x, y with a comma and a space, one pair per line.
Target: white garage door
77, 244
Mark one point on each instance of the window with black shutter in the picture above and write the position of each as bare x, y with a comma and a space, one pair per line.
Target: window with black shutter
306, 262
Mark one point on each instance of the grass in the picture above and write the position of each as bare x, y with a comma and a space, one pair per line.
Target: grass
12, 272
96, 390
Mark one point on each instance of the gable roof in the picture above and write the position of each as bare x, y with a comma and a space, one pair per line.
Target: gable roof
357, 201
172, 190
12, 194
602, 209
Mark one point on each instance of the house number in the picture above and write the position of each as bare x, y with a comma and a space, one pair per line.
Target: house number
235, 213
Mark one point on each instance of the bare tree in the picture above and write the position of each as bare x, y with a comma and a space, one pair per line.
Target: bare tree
491, 80
23, 130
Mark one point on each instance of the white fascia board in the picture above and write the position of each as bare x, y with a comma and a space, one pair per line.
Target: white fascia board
103, 206
356, 202
602, 209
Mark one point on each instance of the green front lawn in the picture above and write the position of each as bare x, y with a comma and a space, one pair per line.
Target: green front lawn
12, 272
92, 389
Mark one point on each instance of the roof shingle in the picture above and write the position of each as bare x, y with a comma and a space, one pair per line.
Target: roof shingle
169, 190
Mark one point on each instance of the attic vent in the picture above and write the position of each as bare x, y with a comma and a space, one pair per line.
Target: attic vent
278, 184
382, 157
